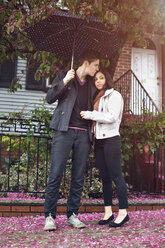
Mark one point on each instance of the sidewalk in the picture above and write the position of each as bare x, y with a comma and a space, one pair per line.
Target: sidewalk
145, 229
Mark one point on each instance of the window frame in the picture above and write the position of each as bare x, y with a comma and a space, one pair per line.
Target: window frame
34, 85
7, 84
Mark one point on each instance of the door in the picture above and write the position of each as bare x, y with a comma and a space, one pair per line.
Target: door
146, 66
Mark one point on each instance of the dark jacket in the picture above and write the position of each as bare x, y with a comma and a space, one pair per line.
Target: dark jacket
66, 96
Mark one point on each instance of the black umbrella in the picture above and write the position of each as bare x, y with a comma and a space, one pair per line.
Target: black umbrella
68, 35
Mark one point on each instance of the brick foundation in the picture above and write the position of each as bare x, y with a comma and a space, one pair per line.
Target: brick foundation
23, 208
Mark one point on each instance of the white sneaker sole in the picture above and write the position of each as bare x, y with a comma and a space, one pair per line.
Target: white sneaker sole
82, 226
49, 229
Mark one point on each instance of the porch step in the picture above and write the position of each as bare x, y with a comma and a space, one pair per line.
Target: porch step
18, 208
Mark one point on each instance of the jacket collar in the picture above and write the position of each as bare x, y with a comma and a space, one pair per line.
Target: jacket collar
108, 92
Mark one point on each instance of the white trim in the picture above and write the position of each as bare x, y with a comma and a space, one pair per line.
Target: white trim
48, 84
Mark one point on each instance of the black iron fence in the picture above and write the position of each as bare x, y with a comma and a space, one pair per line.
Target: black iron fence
146, 172
25, 164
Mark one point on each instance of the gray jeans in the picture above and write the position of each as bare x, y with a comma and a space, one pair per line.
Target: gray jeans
62, 143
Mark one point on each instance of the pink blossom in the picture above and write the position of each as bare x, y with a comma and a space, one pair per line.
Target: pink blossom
52, 12
145, 229
15, 29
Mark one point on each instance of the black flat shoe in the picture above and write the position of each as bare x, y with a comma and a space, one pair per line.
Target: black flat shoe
113, 224
104, 222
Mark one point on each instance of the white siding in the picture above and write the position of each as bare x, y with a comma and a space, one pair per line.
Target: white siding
22, 99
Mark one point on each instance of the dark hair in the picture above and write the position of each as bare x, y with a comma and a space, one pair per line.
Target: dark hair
89, 55
108, 79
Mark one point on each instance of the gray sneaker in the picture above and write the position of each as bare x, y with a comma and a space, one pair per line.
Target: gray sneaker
75, 222
49, 224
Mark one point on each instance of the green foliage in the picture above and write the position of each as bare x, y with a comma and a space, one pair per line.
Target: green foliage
28, 181
136, 134
33, 174
41, 114
92, 184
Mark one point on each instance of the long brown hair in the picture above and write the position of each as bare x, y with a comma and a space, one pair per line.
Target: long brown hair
108, 79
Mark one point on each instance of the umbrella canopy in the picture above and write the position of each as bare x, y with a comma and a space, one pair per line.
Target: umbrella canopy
68, 36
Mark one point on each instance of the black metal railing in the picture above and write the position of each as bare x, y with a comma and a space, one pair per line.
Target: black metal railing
22, 126
136, 98
146, 172
24, 163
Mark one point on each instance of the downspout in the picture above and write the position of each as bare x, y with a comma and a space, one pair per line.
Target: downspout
163, 78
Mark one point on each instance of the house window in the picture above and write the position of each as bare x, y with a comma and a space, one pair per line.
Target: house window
7, 73
32, 84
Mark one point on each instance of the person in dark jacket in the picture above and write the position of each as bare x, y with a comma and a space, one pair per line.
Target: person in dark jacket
74, 91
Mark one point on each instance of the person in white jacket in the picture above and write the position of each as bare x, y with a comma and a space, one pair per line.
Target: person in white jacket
106, 116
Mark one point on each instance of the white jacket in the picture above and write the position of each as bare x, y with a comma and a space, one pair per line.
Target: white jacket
109, 114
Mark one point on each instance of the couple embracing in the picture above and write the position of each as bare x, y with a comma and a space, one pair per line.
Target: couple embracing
87, 103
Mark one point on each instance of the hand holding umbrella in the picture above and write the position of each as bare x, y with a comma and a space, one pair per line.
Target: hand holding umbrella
70, 75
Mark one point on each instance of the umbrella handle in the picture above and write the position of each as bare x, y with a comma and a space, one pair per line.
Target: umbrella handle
73, 48
72, 61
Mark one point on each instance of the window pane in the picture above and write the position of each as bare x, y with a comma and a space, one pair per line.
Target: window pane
7, 73
32, 84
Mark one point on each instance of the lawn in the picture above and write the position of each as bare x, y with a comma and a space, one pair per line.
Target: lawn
145, 229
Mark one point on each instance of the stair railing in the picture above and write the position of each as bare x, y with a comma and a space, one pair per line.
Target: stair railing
136, 98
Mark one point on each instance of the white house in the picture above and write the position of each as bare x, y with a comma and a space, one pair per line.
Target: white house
32, 92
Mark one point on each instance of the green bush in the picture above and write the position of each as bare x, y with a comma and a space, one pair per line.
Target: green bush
135, 134
24, 178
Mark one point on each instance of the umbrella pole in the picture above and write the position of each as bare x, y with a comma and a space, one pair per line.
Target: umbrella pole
74, 41
72, 61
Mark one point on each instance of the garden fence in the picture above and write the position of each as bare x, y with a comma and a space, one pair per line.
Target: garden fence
25, 163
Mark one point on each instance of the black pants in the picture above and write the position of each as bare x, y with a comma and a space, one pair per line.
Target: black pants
62, 143
107, 153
